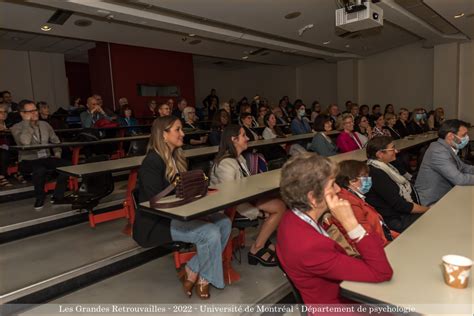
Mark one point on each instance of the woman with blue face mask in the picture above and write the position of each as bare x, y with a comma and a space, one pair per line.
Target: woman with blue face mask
300, 124
353, 178
418, 123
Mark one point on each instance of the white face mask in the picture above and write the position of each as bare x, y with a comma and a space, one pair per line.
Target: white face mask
301, 112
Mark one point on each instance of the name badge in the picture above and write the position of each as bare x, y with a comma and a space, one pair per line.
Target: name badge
43, 153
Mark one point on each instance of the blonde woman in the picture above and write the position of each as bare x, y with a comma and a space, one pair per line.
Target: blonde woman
165, 159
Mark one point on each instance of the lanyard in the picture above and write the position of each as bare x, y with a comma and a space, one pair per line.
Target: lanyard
310, 221
35, 136
355, 139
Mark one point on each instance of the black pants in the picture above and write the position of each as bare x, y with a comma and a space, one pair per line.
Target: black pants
402, 223
4, 161
39, 168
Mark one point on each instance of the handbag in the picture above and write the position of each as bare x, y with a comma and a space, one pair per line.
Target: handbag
189, 186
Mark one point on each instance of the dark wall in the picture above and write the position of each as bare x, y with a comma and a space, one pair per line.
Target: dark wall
78, 80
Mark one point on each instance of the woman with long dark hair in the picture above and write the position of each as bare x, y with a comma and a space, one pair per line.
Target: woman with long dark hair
230, 165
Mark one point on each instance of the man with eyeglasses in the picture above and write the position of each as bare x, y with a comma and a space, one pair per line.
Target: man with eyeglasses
32, 131
441, 168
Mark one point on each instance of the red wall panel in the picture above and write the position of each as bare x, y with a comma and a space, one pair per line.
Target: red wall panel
137, 65
99, 69
78, 80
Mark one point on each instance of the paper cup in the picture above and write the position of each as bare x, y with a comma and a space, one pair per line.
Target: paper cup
456, 270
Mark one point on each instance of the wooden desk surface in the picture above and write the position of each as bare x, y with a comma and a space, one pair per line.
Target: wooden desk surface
447, 228
134, 162
250, 188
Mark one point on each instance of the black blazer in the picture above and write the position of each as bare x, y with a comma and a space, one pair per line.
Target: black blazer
417, 129
384, 196
402, 129
150, 230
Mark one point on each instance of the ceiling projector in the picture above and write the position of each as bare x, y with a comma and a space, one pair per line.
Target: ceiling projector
358, 16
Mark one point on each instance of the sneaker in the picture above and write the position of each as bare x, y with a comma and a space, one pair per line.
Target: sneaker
39, 203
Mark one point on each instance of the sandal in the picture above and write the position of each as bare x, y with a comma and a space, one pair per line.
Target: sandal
187, 284
269, 243
4, 183
202, 290
254, 259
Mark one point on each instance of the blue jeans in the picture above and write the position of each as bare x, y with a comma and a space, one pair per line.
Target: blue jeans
210, 235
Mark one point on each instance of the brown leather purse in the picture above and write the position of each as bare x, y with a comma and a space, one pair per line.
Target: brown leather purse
190, 186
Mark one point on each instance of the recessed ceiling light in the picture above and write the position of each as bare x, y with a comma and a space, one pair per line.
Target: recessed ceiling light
292, 15
191, 34
326, 42
460, 15
245, 57
347, 45
46, 28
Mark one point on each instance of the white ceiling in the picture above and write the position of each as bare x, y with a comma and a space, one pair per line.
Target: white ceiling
72, 49
227, 29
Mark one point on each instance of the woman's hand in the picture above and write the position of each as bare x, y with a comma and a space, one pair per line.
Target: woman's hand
341, 209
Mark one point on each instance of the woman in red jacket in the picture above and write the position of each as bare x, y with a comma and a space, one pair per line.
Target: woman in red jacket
314, 262
348, 139
353, 178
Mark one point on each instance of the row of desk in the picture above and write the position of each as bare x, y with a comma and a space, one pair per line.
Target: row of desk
417, 284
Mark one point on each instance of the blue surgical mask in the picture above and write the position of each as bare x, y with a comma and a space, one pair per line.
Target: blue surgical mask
365, 185
424, 116
301, 112
418, 116
464, 141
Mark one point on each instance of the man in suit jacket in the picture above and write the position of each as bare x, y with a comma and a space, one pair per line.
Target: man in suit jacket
441, 168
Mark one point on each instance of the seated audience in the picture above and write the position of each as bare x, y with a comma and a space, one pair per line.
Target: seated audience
436, 119
76, 104
335, 116
417, 124
262, 111
285, 115
189, 117
127, 119
230, 165
152, 109
322, 144
315, 110
8, 100
164, 110
281, 120
348, 107
4, 153
300, 124
353, 178
390, 120
364, 110
375, 114
442, 168
363, 129
178, 111
271, 130
379, 126
389, 109
354, 110
315, 263
246, 120
391, 194
32, 131
210, 103
220, 121
247, 109
44, 115
122, 102
93, 114
163, 162
402, 123
348, 140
